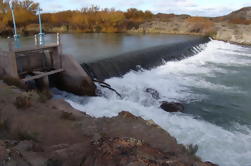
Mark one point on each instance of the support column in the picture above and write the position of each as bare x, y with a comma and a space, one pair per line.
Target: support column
12, 62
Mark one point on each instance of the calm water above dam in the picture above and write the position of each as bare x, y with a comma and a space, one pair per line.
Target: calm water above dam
214, 84
91, 47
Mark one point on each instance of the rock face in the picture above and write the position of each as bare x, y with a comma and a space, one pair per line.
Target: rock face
129, 152
172, 107
74, 79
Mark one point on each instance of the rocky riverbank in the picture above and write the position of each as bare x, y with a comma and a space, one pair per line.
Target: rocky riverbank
39, 132
235, 27
233, 33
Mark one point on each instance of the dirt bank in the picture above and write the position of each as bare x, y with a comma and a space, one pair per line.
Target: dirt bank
51, 133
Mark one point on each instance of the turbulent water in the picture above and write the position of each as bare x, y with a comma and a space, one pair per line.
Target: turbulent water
215, 86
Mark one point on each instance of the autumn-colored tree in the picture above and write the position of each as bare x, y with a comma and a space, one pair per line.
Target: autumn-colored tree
201, 25
3, 7
29, 5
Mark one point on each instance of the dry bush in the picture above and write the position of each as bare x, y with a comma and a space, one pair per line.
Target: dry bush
240, 21
23, 101
4, 125
192, 149
197, 19
25, 135
4, 128
44, 96
201, 25
14, 82
67, 116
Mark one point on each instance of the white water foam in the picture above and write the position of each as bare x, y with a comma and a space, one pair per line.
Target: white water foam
173, 81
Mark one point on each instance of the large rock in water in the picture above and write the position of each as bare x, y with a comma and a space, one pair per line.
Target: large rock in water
172, 107
154, 93
74, 79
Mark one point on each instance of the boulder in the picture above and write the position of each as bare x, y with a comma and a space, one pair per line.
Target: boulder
172, 107
154, 93
24, 146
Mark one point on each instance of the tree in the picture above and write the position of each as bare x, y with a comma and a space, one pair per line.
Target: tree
3, 7
29, 5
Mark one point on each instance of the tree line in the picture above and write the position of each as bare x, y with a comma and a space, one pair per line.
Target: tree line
91, 19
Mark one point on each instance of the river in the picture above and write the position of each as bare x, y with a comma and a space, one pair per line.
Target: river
214, 85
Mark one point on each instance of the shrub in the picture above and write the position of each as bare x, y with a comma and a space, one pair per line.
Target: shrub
192, 149
240, 21
24, 135
23, 101
211, 34
67, 116
201, 24
14, 82
4, 125
53, 162
44, 95
4, 128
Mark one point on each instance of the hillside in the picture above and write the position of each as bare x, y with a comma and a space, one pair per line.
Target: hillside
244, 13
235, 27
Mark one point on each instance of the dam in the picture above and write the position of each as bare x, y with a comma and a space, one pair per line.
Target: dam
101, 56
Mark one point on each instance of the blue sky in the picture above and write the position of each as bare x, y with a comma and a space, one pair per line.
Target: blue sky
192, 7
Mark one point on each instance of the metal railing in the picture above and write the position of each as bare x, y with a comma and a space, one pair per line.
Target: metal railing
22, 43
31, 55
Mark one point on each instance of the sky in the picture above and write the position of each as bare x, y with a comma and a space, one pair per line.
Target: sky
191, 7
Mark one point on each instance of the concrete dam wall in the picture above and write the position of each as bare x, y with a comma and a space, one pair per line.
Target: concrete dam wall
146, 58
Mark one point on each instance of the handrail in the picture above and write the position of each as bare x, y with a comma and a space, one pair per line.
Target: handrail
19, 50
36, 44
